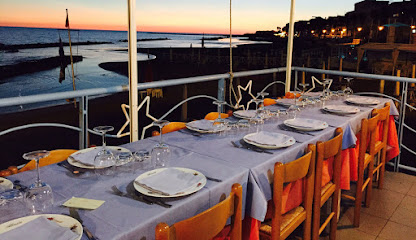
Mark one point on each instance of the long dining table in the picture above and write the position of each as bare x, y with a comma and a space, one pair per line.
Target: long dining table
213, 155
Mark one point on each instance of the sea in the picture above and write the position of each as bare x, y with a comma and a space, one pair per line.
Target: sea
87, 72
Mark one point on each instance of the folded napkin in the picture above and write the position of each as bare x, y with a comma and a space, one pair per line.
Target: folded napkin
363, 100
171, 181
40, 229
205, 125
245, 113
268, 138
304, 122
87, 157
342, 108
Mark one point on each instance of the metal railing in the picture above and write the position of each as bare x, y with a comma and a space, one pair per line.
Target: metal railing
84, 95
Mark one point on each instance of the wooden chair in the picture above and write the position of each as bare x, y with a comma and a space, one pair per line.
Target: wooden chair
325, 150
380, 147
282, 225
55, 156
365, 160
214, 115
209, 223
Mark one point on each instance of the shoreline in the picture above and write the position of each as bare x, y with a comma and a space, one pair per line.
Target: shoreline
16, 47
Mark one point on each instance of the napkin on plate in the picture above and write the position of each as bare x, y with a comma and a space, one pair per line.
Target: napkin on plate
342, 108
245, 113
86, 158
40, 229
363, 100
171, 181
205, 125
306, 123
267, 138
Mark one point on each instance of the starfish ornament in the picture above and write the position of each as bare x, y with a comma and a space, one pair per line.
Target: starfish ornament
240, 96
314, 79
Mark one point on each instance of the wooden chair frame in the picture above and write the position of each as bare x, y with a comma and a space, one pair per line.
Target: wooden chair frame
325, 150
380, 147
303, 167
209, 223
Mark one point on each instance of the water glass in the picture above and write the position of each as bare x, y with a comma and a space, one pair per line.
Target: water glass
124, 162
161, 152
143, 160
39, 199
12, 205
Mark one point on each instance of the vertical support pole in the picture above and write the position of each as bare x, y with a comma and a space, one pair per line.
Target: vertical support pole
413, 74
382, 82
323, 68
185, 105
133, 98
290, 46
303, 75
83, 122
340, 68
221, 91
274, 85
401, 122
296, 81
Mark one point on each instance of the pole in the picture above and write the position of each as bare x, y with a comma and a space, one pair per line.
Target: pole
70, 51
133, 98
290, 46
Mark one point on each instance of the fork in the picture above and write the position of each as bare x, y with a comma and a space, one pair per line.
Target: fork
123, 194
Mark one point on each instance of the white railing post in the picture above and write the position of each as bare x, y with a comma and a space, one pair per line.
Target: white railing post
296, 81
133, 98
290, 45
221, 91
83, 122
401, 123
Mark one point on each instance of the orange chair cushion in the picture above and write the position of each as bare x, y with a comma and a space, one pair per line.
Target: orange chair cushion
214, 115
269, 101
55, 156
173, 126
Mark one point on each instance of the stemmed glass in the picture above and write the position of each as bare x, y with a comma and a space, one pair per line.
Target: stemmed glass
257, 119
326, 92
161, 152
219, 120
303, 85
39, 195
104, 161
348, 91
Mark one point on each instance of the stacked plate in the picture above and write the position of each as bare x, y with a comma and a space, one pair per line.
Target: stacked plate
341, 109
305, 124
245, 114
205, 126
362, 100
170, 182
269, 140
85, 158
286, 102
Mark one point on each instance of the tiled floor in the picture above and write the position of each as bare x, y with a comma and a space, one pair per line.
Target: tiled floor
392, 214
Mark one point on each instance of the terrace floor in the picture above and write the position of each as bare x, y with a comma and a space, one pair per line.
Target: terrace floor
392, 214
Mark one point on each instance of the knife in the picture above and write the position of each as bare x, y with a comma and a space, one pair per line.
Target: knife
74, 213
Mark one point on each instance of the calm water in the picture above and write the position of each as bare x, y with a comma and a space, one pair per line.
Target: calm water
88, 73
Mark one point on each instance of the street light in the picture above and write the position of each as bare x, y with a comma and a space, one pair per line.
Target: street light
380, 28
359, 29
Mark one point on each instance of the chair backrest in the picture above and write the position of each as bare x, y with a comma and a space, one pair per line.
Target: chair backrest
173, 126
368, 129
214, 115
208, 223
325, 150
303, 167
383, 119
55, 156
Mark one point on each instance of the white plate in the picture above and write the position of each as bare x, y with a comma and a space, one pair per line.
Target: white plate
191, 189
75, 163
214, 130
62, 220
287, 102
244, 114
341, 109
363, 100
310, 124
5, 184
286, 141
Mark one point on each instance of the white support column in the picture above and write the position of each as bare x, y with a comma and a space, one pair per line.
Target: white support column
133, 98
290, 46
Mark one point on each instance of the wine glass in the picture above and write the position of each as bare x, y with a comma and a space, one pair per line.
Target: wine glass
303, 85
219, 120
348, 91
161, 152
257, 119
326, 91
39, 196
104, 161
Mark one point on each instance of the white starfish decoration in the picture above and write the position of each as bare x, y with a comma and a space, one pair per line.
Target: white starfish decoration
314, 79
123, 108
239, 87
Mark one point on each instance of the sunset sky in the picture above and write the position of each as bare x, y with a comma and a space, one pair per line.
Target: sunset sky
197, 16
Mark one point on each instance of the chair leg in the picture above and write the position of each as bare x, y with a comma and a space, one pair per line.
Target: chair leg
334, 220
358, 201
383, 167
316, 215
369, 186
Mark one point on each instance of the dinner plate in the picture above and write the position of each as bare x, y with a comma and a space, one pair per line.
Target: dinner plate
287, 102
193, 126
5, 184
196, 184
244, 114
341, 109
306, 124
61, 220
75, 163
274, 140
362, 100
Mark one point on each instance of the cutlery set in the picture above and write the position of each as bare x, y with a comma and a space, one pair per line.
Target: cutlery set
243, 145
140, 198
74, 214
